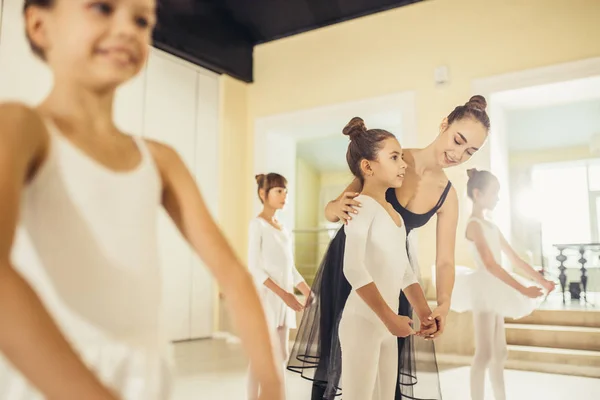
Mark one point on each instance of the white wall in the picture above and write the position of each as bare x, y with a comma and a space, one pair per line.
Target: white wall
171, 101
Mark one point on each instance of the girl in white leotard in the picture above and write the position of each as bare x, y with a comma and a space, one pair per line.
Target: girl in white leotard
491, 291
87, 196
376, 270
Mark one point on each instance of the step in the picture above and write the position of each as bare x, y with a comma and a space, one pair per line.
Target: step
558, 361
586, 318
553, 336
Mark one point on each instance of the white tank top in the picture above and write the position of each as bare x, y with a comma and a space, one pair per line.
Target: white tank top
492, 238
93, 235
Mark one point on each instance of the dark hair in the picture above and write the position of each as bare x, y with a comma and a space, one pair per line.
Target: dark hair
364, 144
41, 4
268, 182
474, 108
478, 180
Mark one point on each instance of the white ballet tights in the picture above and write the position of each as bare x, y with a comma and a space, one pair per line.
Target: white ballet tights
490, 353
369, 359
282, 339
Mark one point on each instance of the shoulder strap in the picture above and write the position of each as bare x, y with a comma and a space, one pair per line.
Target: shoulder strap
443, 196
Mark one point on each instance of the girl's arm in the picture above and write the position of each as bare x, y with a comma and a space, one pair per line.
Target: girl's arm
300, 283
447, 220
260, 275
341, 208
476, 235
416, 297
29, 338
519, 262
304, 289
184, 204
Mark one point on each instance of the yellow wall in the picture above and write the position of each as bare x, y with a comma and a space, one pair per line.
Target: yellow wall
336, 178
235, 188
398, 50
308, 185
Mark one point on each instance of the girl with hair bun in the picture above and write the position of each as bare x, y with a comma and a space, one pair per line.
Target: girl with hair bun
357, 333
490, 291
271, 263
80, 286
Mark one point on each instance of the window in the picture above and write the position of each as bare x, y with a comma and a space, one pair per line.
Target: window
567, 198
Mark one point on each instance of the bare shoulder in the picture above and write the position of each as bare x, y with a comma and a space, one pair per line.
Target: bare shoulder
473, 231
165, 156
21, 122
451, 202
23, 135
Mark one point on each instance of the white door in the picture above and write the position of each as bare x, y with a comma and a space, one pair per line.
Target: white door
170, 117
129, 105
207, 177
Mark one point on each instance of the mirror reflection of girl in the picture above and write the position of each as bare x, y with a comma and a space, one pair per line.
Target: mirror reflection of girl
490, 291
271, 263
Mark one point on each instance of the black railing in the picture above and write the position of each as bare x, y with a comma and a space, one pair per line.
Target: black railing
576, 255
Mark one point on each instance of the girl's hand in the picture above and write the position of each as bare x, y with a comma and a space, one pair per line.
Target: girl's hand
310, 300
400, 326
532, 292
548, 285
345, 206
292, 301
439, 316
427, 329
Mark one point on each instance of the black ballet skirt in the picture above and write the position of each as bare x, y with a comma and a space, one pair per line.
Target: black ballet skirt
316, 354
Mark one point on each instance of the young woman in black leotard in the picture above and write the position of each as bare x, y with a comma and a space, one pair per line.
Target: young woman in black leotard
426, 192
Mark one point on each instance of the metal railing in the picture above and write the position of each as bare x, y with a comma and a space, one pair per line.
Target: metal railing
582, 256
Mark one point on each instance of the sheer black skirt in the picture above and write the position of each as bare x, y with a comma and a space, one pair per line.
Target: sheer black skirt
316, 353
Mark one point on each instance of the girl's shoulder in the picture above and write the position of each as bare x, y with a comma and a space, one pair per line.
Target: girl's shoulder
257, 222
22, 120
477, 226
24, 134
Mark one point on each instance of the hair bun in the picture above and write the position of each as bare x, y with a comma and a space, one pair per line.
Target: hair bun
355, 128
471, 172
259, 178
477, 102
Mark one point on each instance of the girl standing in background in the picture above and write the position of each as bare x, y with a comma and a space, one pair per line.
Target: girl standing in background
490, 291
271, 263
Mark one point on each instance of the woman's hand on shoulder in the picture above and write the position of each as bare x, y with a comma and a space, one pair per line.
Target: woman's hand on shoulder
345, 206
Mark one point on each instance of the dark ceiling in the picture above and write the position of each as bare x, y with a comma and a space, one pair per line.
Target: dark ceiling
221, 34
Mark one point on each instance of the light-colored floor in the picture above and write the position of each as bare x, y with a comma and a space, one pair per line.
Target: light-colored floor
215, 369
555, 301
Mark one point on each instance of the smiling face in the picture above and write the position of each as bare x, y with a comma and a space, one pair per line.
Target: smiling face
98, 44
459, 141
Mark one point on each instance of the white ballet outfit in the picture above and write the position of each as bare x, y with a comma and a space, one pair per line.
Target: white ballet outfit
478, 290
270, 255
87, 244
374, 252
